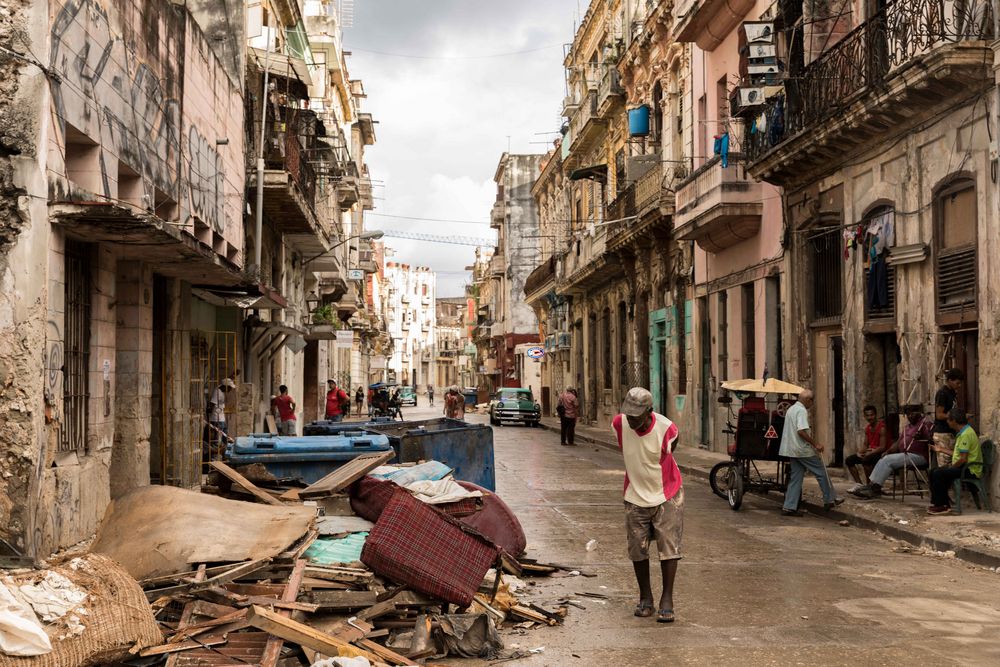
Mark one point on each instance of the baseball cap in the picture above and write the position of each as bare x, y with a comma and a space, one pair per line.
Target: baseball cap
229, 383
636, 402
331, 381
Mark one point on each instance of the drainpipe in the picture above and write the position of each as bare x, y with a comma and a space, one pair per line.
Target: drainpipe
259, 226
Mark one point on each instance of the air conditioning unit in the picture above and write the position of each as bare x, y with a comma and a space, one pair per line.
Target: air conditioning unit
759, 31
761, 50
564, 341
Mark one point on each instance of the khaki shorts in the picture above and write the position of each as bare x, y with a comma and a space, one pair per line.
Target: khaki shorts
663, 523
944, 440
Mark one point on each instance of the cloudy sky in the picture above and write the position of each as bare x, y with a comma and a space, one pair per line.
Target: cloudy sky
446, 103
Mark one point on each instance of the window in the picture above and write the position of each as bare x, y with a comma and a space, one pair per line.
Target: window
880, 276
826, 253
749, 331
701, 129
623, 342
76, 348
723, 337
955, 250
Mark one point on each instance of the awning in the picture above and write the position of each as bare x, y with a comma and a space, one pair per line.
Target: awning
278, 64
597, 172
259, 297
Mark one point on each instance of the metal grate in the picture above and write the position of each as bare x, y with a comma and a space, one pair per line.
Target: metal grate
635, 374
827, 274
76, 344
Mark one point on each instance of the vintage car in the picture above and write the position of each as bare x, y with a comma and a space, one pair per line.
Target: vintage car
407, 396
515, 405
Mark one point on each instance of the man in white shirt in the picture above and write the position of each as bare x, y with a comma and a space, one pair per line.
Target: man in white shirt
217, 415
654, 497
802, 451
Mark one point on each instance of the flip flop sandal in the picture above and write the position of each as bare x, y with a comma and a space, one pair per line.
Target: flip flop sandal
665, 616
644, 609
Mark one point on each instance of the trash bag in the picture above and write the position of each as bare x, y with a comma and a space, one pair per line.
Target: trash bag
20, 632
467, 635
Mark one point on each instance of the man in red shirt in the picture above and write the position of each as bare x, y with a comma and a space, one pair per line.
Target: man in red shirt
336, 398
876, 443
284, 406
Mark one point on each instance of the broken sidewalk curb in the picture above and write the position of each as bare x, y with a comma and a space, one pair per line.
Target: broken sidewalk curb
969, 553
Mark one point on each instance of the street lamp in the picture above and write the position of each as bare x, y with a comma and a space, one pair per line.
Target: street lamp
363, 236
312, 301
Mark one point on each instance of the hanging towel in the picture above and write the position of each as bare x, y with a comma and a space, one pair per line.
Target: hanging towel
724, 149
717, 145
878, 284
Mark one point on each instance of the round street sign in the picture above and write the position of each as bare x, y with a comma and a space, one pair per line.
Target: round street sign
535, 352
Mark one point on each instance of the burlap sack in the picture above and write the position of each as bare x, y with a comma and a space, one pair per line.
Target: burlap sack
118, 617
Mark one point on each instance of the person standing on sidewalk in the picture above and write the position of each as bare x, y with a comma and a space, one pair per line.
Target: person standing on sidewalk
803, 450
336, 400
568, 408
430, 394
945, 401
654, 497
283, 406
359, 399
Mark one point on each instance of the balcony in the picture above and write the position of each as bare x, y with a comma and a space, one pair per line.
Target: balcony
289, 178
645, 203
610, 92
498, 267
708, 22
498, 214
588, 264
365, 194
718, 208
909, 61
585, 126
348, 192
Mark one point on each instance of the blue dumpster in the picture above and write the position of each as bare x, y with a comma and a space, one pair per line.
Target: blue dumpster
466, 448
309, 458
470, 394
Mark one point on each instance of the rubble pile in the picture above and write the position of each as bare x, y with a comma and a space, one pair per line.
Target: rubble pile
370, 565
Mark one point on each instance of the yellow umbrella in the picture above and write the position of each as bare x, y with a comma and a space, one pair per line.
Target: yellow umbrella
771, 386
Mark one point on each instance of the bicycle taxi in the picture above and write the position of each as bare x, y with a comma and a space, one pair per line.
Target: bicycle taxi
754, 440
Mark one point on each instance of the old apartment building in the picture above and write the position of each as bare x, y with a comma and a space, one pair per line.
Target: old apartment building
134, 272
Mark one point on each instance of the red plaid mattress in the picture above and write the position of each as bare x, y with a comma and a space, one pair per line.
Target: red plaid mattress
412, 543
489, 515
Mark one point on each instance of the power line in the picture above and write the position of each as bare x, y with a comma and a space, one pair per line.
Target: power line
416, 56
432, 238
410, 217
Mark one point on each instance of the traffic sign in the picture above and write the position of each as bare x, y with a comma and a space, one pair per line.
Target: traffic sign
771, 433
535, 352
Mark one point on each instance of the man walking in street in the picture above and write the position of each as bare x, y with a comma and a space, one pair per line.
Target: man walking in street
945, 401
430, 394
567, 409
803, 450
454, 403
336, 400
283, 406
654, 497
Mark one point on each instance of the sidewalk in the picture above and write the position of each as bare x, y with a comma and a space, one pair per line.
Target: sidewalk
973, 536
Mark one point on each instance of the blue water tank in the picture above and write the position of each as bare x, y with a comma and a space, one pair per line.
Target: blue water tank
638, 121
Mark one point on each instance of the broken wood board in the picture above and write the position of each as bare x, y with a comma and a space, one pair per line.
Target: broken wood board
304, 635
347, 575
270, 424
346, 475
154, 531
245, 483
386, 654
342, 600
272, 650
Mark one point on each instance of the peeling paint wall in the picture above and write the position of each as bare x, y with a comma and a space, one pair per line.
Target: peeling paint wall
522, 247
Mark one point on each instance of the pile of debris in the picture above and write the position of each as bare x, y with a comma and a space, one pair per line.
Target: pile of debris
388, 568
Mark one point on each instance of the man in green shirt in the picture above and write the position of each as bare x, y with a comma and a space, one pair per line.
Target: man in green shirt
967, 451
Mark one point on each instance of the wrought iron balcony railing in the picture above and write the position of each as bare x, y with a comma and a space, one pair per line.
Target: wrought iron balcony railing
864, 60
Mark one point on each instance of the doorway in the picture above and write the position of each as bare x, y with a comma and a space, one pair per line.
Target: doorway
839, 421
705, 325
310, 387
964, 355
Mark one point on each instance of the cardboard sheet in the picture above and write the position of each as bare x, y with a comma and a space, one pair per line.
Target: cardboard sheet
160, 530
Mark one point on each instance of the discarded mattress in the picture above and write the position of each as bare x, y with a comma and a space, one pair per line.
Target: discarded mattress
489, 514
160, 530
415, 544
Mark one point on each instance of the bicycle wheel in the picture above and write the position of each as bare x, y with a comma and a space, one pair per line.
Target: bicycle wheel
718, 478
734, 494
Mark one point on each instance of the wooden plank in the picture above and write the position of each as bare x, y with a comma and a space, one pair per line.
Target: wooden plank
386, 654
282, 604
209, 609
220, 595
377, 610
342, 600
342, 574
188, 611
291, 495
177, 647
272, 651
309, 583
272, 426
304, 635
245, 483
182, 578
197, 628
346, 475
531, 615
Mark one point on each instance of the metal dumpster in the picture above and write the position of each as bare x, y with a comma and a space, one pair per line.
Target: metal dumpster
470, 394
466, 448
308, 458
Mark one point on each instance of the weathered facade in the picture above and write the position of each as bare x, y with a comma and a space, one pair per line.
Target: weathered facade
411, 322
883, 153
129, 259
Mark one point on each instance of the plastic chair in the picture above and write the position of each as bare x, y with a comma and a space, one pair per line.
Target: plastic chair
980, 484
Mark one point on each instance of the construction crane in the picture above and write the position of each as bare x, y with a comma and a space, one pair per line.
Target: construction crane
432, 238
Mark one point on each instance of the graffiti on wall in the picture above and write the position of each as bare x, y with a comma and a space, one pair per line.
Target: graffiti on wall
133, 112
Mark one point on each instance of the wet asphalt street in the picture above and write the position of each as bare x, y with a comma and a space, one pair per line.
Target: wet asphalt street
754, 588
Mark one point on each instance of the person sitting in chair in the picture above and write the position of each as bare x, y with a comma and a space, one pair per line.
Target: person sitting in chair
967, 451
875, 445
911, 450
